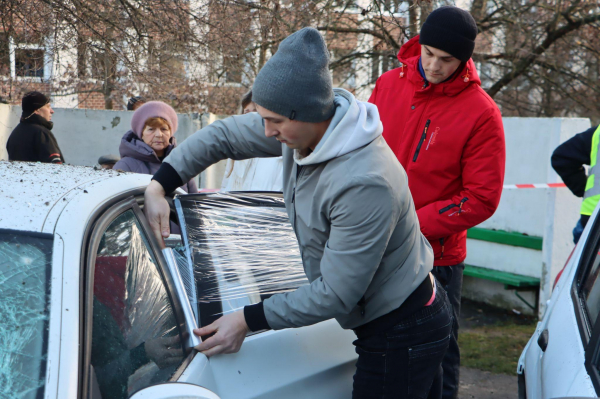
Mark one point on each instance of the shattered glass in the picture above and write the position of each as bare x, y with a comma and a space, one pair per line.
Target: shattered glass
25, 269
243, 250
135, 339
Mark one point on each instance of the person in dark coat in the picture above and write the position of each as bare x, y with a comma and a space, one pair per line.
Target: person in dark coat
32, 139
150, 140
568, 160
135, 102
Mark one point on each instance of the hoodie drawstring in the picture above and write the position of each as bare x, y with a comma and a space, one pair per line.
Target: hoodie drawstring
466, 76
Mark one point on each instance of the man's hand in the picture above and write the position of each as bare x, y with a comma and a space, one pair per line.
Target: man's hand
157, 211
231, 331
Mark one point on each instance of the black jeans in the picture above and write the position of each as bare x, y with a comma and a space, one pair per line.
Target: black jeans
451, 278
405, 361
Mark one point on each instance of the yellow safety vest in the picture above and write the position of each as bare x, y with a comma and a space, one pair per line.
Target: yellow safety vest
592, 186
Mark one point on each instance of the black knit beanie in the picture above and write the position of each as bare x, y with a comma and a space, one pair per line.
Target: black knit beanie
452, 30
33, 101
296, 82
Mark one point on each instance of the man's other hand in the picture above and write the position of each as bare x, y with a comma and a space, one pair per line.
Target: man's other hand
157, 211
230, 332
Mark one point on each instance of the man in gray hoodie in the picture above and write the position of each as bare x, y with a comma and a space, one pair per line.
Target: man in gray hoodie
348, 201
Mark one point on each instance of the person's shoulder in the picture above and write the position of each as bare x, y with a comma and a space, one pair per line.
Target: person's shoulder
126, 164
369, 166
477, 96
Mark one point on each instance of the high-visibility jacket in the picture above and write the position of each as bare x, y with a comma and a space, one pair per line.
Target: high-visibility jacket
591, 195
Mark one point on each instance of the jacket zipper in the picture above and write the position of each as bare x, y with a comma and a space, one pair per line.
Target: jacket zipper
460, 204
442, 244
299, 170
423, 137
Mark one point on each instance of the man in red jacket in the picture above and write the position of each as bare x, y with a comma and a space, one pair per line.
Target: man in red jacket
447, 133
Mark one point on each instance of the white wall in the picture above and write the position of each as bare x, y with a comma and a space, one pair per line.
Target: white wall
85, 134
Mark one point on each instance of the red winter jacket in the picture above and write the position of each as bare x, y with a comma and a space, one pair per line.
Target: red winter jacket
450, 140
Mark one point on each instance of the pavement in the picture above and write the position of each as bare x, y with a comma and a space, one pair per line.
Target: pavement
477, 384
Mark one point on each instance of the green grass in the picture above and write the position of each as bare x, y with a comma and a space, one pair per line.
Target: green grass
494, 348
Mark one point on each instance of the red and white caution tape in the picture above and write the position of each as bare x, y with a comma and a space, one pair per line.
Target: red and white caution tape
540, 185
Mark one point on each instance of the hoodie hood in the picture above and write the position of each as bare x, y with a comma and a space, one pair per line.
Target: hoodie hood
354, 125
409, 56
134, 147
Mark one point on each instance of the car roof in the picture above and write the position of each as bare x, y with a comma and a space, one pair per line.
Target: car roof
30, 191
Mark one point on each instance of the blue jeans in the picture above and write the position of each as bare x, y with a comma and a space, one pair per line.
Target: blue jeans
405, 361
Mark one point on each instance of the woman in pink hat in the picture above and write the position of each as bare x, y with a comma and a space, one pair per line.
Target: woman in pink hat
150, 140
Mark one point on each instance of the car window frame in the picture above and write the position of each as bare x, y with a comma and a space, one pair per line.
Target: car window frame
589, 334
90, 247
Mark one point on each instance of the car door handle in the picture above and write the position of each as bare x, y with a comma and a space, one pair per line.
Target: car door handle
543, 340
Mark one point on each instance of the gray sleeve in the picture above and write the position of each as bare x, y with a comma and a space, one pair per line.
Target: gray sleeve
237, 137
358, 239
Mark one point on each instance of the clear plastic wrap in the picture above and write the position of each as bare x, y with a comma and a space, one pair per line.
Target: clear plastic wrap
25, 267
242, 247
135, 339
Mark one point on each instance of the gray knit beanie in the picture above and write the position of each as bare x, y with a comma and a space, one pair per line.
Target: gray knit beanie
296, 82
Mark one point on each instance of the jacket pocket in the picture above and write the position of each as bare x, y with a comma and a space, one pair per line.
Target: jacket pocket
423, 365
423, 137
459, 206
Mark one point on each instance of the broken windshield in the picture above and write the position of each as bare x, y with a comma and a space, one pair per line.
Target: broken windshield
242, 248
25, 266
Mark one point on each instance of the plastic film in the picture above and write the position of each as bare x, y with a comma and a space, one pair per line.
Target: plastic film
135, 340
242, 247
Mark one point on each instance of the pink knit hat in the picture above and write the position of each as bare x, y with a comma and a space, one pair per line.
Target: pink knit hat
153, 109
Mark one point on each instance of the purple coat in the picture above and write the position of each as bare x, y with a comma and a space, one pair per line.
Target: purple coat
139, 157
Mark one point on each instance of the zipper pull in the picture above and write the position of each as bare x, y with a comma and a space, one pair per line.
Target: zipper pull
442, 242
462, 201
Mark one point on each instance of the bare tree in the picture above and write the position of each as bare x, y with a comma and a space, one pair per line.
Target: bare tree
535, 58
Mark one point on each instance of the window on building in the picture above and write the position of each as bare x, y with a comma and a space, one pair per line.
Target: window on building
29, 63
381, 64
97, 65
234, 68
392, 5
344, 70
4, 55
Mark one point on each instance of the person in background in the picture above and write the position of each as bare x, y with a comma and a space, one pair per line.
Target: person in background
568, 160
108, 161
150, 140
32, 140
247, 104
135, 102
447, 133
254, 174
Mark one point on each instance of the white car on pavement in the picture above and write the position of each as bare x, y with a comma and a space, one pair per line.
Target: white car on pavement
92, 308
562, 358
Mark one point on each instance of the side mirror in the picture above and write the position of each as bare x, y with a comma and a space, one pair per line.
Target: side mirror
175, 390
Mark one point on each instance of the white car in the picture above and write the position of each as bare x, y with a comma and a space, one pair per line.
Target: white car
562, 358
90, 307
